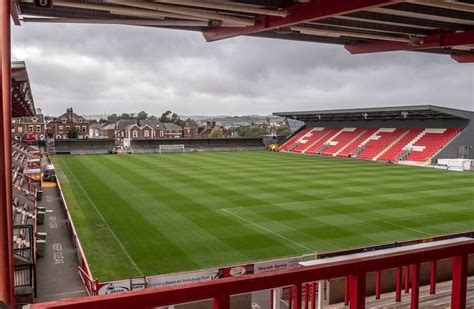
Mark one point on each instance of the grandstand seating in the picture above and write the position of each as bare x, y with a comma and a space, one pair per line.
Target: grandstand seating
379, 141
337, 143
430, 143
290, 142
317, 145
384, 144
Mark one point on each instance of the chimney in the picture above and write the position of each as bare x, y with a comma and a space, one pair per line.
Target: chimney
69, 112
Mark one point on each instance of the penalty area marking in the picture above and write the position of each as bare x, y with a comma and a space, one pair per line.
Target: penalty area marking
103, 219
226, 210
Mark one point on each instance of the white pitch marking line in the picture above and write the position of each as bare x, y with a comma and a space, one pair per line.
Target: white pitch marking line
103, 219
267, 230
408, 228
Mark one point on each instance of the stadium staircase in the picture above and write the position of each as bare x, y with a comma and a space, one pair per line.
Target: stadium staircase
377, 144
308, 139
395, 151
430, 144
378, 141
342, 140
50, 146
294, 139
314, 147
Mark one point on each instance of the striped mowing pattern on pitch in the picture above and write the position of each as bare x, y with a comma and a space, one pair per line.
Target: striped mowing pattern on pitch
178, 212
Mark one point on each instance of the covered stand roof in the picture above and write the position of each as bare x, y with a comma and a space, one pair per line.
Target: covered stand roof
362, 26
22, 99
380, 113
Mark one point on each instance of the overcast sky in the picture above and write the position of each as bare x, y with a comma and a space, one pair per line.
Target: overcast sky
115, 69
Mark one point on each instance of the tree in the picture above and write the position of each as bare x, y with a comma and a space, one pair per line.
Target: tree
152, 117
169, 116
251, 131
216, 132
112, 118
125, 116
73, 133
142, 115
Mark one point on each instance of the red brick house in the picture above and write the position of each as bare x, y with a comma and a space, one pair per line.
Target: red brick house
61, 126
32, 126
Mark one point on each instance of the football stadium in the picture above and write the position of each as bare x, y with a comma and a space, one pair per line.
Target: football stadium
354, 208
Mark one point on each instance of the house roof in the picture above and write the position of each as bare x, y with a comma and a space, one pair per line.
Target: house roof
361, 26
155, 124
122, 124
71, 117
29, 119
171, 126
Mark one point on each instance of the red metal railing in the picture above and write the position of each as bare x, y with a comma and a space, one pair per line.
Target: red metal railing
355, 269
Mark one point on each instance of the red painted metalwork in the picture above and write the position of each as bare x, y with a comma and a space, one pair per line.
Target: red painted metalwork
272, 293
357, 291
415, 285
313, 298
346, 291
7, 293
298, 13
434, 265
459, 285
466, 58
307, 291
378, 275
398, 284
155, 297
431, 41
298, 297
221, 302
407, 279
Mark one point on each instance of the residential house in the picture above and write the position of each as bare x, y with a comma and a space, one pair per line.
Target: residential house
61, 126
33, 127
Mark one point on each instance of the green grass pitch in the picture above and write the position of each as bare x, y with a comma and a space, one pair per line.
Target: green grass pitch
154, 214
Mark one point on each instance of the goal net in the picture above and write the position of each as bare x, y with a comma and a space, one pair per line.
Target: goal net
171, 148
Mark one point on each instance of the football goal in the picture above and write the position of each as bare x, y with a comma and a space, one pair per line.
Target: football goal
171, 148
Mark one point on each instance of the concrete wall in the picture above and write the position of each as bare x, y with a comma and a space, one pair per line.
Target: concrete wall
84, 146
335, 290
199, 144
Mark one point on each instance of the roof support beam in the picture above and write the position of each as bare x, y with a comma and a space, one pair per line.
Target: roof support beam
431, 41
298, 13
466, 58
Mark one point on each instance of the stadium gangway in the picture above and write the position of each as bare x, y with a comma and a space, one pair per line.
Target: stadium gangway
355, 267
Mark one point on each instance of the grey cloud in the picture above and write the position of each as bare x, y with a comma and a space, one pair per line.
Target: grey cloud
99, 69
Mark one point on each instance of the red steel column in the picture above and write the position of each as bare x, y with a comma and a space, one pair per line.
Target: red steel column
346, 290
298, 298
459, 285
378, 274
7, 293
313, 297
415, 286
357, 291
271, 298
434, 264
398, 284
407, 279
222, 302
307, 290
